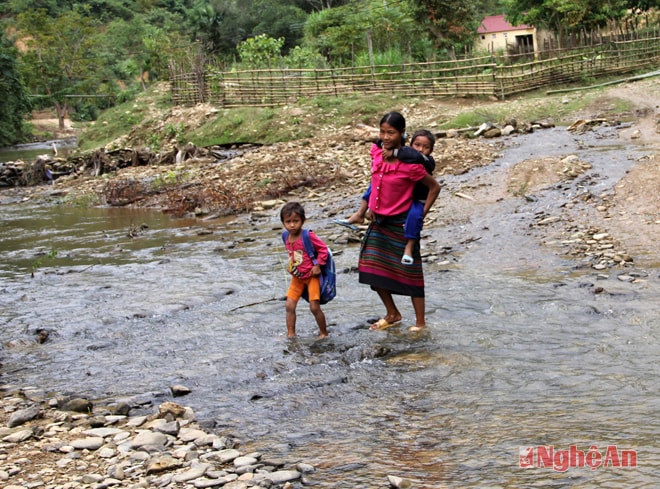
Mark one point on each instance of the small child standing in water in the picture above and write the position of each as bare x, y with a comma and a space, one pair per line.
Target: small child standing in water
305, 271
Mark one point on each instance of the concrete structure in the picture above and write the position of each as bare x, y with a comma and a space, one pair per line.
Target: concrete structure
496, 35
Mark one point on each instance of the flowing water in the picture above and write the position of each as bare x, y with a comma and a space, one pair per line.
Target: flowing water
30, 151
520, 352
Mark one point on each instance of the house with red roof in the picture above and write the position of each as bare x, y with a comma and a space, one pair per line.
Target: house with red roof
495, 34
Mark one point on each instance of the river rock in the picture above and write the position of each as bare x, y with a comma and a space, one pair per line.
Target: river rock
399, 482
114, 418
190, 434
220, 481
106, 452
102, 432
171, 428
171, 408
227, 455
282, 476
180, 390
161, 463
237, 484
508, 130
18, 436
89, 443
196, 471
136, 421
210, 440
23, 416
244, 460
305, 468
493, 132
147, 438
78, 406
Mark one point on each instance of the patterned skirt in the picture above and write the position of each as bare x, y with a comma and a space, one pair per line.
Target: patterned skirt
380, 258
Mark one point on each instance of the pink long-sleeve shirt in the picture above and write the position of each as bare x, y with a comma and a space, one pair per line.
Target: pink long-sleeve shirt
392, 184
300, 263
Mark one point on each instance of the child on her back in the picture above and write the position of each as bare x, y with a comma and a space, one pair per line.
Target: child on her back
419, 151
304, 273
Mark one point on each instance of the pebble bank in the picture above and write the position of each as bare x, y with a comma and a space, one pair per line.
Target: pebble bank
66, 443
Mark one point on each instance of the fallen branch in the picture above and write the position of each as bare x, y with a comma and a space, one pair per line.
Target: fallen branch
584, 122
254, 304
464, 196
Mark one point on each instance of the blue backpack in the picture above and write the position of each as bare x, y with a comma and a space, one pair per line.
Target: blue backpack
328, 273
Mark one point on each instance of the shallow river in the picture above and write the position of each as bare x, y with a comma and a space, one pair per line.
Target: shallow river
515, 356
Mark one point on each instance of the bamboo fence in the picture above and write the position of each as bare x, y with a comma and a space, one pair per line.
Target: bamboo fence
485, 76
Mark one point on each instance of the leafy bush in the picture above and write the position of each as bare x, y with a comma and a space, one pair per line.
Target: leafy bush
258, 51
305, 57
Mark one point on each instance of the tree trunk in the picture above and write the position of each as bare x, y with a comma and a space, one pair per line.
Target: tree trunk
370, 49
62, 111
144, 87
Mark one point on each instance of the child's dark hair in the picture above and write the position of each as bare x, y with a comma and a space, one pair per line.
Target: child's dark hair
427, 134
292, 208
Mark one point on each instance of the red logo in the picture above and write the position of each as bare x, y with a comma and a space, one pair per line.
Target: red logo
561, 460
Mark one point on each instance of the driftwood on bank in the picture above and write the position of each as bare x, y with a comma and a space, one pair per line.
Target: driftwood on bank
48, 168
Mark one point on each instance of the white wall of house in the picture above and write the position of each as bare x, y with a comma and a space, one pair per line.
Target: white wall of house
498, 41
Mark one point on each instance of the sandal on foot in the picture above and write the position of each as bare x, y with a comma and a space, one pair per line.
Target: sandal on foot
407, 260
415, 329
345, 223
382, 324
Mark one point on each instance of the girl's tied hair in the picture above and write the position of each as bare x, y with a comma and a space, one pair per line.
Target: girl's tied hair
396, 120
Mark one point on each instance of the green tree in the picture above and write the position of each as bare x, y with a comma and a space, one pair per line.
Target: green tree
646, 10
53, 7
279, 20
346, 33
61, 58
220, 25
217, 25
260, 51
451, 23
568, 17
336, 33
125, 44
14, 102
